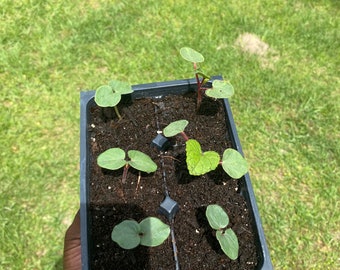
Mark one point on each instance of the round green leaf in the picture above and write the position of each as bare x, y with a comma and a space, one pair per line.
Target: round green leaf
154, 232
105, 97
120, 87
191, 55
175, 128
220, 89
217, 217
228, 242
234, 163
127, 234
112, 159
141, 161
199, 162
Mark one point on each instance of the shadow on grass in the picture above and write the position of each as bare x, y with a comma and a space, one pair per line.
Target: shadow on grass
59, 264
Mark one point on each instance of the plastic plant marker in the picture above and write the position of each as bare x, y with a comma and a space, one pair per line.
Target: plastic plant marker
228, 242
141, 161
105, 97
120, 87
216, 216
168, 208
234, 163
199, 162
220, 89
153, 232
175, 128
191, 55
112, 159
127, 234
160, 142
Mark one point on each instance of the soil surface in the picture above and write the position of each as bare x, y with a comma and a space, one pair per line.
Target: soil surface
112, 201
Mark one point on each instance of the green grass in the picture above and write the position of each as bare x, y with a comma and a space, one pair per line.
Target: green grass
287, 110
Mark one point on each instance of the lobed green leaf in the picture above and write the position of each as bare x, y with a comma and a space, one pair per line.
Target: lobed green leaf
199, 162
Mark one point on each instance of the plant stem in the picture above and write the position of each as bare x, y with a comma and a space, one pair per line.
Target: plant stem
126, 168
199, 92
185, 137
117, 112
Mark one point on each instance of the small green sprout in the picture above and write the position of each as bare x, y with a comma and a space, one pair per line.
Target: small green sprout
200, 162
218, 220
114, 159
149, 232
175, 128
110, 95
219, 89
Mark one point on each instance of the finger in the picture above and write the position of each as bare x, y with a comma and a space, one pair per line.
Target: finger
72, 247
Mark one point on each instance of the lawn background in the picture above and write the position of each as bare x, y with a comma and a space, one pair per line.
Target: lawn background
286, 108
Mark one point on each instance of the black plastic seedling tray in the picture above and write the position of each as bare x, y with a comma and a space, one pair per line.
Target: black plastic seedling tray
161, 89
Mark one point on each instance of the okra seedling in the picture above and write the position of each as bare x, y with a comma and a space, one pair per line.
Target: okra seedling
114, 159
219, 89
218, 220
111, 94
199, 162
149, 232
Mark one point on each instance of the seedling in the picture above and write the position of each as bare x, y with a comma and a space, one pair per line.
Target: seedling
218, 220
200, 162
219, 89
149, 232
114, 159
111, 94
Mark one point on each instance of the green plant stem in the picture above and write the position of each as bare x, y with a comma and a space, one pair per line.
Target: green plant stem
117, 112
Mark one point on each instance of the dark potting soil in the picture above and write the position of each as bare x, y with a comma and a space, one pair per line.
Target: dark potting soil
112, 201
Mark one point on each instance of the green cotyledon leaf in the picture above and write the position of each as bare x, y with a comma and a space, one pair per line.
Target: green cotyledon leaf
106, 97
228, 242
191, 55
175, 128
234, 163
199, 162
217, 217
112, 159
141, 161
154, 232
220, 89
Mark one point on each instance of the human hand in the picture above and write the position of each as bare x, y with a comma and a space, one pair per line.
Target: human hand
72, 247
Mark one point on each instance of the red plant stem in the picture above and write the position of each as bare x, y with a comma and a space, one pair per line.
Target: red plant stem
199, 91
185, 137
126, 168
